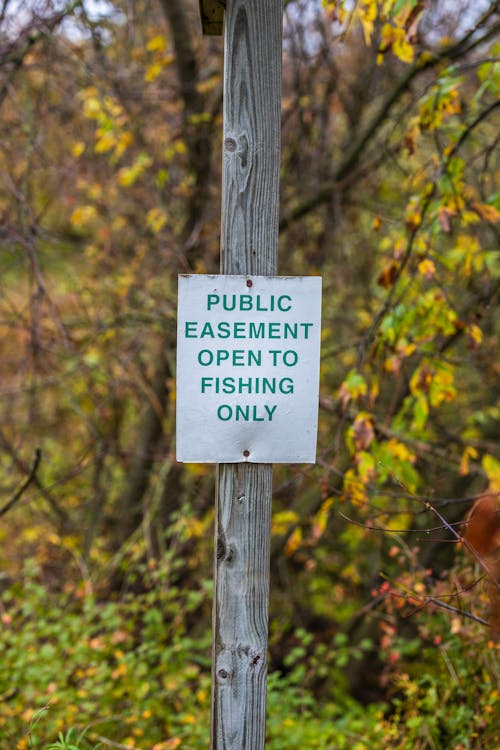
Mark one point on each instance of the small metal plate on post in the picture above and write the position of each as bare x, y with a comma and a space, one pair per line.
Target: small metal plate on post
212, 16
248, 369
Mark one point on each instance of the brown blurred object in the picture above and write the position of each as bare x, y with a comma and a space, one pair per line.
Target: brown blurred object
482, 535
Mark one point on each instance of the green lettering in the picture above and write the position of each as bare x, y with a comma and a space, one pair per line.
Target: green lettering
245, 384
291, 331
205, 357
206, 383
255, 356
224, 412
207, 331
286, 385
224, 329
256, 331
270, 411
306, 327
274, 331
243, 412
228, 385
189, 333
239, 330
281, 304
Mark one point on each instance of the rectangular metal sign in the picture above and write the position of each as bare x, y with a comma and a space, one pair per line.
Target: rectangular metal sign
248, 352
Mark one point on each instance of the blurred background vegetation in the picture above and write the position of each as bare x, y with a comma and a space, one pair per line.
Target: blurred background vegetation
384, 621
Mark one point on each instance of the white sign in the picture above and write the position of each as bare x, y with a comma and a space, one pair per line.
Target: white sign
248, 368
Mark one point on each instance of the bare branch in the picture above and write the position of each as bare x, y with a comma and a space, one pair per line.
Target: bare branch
22, 489
424, 62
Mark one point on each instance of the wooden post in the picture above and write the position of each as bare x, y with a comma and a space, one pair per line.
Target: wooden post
249, 241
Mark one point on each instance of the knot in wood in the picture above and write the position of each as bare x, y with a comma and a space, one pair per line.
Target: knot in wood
255, 660
230, 145
224, 550
221, 548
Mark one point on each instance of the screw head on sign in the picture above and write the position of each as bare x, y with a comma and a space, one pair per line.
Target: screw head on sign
249, 282
246, 453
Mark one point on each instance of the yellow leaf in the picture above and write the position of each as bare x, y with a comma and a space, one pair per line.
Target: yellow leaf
475, 333
353, 489
153, 71
320, 520
118, 224
94, 191
487, 212
451, 104
394, 38
468, 453
124, 141
78, 149
294, 541
442, 388
413, 214
92, 108
400, 451
126, 176
204, 87
492, 469
469, 217
397, 522
403, 49
82, 216
106, 141
157, 44
171, 744
366, 466
367, 13
405, 349
427, 268
282, 520
156, 220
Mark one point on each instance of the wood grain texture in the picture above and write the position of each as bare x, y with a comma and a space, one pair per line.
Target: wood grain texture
251, 142
249, 242
241, 606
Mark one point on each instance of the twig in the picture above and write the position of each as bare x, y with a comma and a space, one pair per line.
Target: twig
455, 610
464, 541
425, 61
25, 484
384, 529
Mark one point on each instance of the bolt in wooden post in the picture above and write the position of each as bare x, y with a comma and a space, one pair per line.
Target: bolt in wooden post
249, 241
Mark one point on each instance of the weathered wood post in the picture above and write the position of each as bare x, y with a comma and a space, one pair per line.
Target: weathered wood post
249, 241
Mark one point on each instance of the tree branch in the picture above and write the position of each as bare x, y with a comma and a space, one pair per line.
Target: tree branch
198, 130
425, 61
22, 489
13, 55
